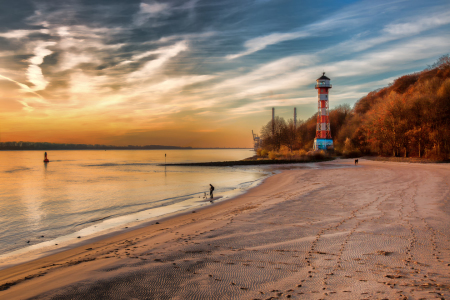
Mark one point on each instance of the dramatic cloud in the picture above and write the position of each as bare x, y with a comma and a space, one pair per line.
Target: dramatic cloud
34, 72
122, 71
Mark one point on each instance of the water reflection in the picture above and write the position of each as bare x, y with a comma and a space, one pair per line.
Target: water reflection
82, 187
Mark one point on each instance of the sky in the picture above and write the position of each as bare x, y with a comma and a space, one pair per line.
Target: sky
199, 73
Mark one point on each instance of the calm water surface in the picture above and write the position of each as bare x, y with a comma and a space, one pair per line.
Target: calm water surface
80, 193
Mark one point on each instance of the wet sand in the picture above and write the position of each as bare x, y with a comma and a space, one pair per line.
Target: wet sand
374, 231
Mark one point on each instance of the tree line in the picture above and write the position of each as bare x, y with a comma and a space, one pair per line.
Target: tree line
56, 146
409, 118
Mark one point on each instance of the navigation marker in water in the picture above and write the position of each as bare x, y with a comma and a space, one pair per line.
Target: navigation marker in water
45, 158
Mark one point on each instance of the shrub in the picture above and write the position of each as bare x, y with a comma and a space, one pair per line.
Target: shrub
318, 155
290, 155
348, 147
258, 151
264, 152
302, 152
272, 155
352, 154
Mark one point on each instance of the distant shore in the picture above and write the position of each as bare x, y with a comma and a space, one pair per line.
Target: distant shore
56, 147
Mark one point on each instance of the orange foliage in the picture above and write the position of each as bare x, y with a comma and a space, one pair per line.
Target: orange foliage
410, 117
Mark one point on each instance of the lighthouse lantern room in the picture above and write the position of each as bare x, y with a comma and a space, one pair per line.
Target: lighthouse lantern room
323, 140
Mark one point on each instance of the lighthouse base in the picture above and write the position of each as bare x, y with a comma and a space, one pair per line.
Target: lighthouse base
323, 144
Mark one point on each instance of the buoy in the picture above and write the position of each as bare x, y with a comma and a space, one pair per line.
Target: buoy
45, 157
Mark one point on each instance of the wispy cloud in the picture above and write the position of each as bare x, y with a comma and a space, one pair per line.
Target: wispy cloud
149, 68
354, 15
418, 25
276, 69
151, 10
187, 36
24, 87
34, 72
293, 73
259, 43
392, 32
21, 33
30, 95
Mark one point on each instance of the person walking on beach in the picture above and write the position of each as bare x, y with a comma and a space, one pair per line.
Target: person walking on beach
211, 190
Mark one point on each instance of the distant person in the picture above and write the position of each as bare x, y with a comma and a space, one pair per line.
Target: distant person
211, 190
356, 162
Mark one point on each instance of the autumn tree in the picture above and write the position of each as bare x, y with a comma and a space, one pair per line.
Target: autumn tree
410, 117
272, 134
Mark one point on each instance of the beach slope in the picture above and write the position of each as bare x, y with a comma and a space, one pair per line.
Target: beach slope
374, 231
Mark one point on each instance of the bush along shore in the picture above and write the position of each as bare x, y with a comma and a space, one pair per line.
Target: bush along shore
406, 159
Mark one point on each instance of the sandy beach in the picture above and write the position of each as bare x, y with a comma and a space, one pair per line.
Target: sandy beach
379, 230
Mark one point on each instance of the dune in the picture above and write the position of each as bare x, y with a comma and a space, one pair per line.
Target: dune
379, 230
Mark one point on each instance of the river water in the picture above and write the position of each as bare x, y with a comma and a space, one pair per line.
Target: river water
83, 193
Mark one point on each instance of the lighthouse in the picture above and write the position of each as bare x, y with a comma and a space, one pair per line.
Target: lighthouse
323, 140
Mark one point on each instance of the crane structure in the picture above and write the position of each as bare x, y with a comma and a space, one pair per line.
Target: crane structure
256, 141
323, 140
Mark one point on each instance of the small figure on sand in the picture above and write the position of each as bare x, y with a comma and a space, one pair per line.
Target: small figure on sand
45, 157
356, 162
211, 190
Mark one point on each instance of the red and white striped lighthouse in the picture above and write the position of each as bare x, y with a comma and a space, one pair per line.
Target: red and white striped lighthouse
323, 140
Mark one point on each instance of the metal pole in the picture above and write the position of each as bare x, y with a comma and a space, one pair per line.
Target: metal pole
273, 120
295, 117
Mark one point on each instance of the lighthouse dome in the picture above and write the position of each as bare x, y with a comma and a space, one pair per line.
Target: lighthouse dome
323, 81
323, 77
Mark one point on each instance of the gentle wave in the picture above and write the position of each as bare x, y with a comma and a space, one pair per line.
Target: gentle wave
88, 191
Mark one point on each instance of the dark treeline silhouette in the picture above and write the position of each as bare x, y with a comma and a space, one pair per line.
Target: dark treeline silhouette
409, 118
53, 146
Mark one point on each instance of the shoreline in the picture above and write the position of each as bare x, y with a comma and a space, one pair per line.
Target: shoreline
406, 160
376, 230
42, 251
8, 274
250, 162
